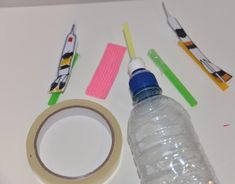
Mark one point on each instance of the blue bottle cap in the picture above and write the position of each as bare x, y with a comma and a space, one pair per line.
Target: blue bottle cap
142, 79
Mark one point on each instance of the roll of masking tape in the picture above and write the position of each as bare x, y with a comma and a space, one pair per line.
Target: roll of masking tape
63, 110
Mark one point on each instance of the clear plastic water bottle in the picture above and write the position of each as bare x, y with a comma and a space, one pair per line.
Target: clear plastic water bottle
164, 145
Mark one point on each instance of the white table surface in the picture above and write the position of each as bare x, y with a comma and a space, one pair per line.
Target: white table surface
30, 44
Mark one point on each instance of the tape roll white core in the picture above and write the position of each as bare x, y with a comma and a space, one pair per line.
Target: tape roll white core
74, 142
60, 111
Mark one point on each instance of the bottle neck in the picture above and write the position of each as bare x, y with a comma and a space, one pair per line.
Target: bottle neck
145, 94
143, 84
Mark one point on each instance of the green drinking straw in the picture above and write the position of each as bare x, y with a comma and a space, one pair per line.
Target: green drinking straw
172, 77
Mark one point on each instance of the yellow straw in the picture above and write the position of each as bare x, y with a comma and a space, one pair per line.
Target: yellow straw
129, 41
222, 85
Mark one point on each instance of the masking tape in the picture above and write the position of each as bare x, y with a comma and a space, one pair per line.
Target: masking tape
97, 176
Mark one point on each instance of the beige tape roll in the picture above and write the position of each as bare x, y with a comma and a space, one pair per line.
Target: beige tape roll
97, 176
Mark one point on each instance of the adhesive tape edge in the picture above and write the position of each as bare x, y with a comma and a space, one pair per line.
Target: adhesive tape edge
98, 176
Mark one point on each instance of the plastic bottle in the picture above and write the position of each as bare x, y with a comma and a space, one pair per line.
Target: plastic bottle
164, 145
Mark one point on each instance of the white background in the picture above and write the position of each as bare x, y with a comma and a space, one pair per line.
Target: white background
31, 40
14, 3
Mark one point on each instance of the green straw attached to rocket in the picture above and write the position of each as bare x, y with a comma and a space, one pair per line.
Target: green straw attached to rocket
172, 77
55, 96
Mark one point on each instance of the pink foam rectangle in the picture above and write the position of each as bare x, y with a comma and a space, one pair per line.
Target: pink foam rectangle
106, 72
